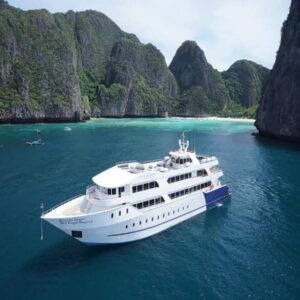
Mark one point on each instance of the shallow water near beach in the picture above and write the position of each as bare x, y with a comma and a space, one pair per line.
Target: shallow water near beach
246, 249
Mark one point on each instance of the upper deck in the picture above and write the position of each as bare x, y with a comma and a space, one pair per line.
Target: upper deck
137, 172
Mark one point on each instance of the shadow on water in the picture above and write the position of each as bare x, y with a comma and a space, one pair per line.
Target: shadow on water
271, 142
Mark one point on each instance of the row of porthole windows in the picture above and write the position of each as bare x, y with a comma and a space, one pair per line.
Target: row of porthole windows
120, 213
189, 190
134, 224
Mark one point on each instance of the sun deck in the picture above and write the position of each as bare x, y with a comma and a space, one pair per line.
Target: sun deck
135, 167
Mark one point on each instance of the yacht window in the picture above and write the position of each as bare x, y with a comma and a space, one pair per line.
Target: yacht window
109, 191
179, 177
189, 190
133, 224
113, 191
145, 186
126, 226
201, 172
140, 222
148, 203
119, 213
112, 215
122, 189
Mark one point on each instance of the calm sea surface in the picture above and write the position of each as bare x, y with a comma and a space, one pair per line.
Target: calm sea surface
246, 249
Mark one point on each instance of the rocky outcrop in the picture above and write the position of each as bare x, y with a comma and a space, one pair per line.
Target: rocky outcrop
141, 69
69, 67
244, 81
279, 112
77, 65
202, 87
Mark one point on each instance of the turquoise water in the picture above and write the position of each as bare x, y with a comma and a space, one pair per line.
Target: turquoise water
246, 249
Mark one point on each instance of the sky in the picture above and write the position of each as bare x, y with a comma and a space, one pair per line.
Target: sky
227, 30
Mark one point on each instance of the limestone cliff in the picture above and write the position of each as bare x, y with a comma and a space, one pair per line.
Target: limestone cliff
279, 112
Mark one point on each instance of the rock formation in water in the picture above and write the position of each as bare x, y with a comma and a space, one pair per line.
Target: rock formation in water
279, 112
244, 81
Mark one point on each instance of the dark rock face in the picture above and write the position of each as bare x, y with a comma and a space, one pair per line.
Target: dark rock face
142, 71
191, 70
279, 111
244, 81
68, 67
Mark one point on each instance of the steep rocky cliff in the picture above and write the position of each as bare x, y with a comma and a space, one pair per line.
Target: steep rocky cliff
202, 87
244, 81
59, 67
73, 66
279, 111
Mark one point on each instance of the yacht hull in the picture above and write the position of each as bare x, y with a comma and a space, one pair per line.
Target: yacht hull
98, 229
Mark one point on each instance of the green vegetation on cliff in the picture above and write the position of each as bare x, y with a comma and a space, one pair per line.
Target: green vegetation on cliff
60, 67
244, 81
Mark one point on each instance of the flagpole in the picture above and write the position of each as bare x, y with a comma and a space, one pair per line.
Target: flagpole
42, 229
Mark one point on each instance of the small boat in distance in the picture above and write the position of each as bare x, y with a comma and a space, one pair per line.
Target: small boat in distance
132, 201
35, 142
67, 129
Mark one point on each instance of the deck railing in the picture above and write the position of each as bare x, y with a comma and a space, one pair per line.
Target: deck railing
59, 204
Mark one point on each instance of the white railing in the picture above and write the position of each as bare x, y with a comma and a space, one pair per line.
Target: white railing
91, 191
140, 162
125, 162
215, 170
59, 204
207, 159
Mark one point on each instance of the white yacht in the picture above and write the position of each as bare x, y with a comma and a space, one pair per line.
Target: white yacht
132, 200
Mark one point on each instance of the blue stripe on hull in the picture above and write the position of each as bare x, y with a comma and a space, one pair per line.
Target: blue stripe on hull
216, 196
